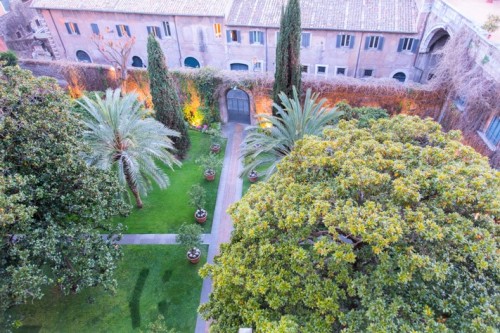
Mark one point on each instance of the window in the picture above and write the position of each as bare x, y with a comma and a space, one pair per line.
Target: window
233, 36
83, 56
191, 62
374, 43
217, 30
166, 29
305, 39
493, 131
257, 66
155, 31
408, 44
37, 22
321, 69
137, 62
95, 28
257, 37
123, 30
367, 72
400, 76
304, 69
72, 28
18, 34
341, 70
239, 67
29, 28
460, 102
344, 40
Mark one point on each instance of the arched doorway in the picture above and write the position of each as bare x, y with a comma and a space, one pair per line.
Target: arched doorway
238, 67
137, 62
400, 76
191, 62
238, 106
83, 56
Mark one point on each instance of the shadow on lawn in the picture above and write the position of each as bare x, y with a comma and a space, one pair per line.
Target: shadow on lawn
135, 301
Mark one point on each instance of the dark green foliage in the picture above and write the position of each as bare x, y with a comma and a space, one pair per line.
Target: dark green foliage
9, 57
165, 100
364, 114
49, 195
288, 72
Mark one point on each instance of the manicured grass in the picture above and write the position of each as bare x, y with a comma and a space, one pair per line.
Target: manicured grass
152, 280
164, 211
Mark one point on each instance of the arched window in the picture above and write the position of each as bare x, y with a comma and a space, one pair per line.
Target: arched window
191, 62
239, 67
83, 56
400, 76
137, 62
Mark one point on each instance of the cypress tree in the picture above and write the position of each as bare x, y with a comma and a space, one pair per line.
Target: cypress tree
288, 73
165, 100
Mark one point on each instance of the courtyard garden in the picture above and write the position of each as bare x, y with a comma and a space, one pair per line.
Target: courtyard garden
152, 280
165, 210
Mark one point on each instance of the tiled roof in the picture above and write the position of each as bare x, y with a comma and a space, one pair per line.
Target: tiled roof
161, 7
349, 15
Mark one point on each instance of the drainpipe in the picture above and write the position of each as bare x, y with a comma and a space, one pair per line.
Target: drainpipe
58, 34
359, 52
178, 44
267, 51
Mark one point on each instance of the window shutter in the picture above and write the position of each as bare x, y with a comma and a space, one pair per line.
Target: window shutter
414, 47
68, 28
128, 31
76, 28
277, 37
352, 42
339, 40
228, 36
400, 45
95, 28
306, 40
367, 43
380, 43
150, 30
238, 36
251, 37
158, 32
118, 31
263, 38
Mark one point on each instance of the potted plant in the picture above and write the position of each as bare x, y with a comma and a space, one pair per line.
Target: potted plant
209, 163
189, 236
197, 195
253, 176
216, 140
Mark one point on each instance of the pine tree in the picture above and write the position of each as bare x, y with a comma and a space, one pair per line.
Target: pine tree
165, 99
288, 72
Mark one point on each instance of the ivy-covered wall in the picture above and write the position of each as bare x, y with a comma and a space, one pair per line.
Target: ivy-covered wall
203, 93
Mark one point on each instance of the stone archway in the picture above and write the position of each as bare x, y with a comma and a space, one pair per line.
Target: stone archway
238, 106
429, 55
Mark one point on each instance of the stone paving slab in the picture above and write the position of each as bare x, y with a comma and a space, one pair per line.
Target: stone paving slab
151, 239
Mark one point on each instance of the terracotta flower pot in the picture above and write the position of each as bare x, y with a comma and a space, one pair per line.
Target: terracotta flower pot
253, 177
209, 175
200, 215
215, 148
194, 255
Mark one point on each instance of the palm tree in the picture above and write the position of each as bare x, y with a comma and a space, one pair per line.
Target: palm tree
274, 136
122, 138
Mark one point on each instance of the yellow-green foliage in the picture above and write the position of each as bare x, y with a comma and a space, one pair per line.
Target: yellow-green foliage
389, 228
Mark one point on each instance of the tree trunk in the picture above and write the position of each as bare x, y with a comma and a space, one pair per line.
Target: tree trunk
132, 185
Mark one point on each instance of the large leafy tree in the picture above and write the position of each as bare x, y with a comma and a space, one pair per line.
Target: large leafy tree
123, 139
275, 136
288, 72
389, 228
52, 205
165, 100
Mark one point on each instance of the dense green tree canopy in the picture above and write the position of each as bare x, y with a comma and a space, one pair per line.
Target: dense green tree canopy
389, 228
288, 72
166, 102
52, 205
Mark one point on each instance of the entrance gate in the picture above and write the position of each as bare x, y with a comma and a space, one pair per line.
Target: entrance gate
238, 106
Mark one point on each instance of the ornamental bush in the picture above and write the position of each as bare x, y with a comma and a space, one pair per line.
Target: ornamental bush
389, 228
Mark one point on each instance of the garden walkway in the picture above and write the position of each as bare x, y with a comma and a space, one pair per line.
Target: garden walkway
230, 190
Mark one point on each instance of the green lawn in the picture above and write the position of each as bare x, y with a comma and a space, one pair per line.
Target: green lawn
152, 280
165, 210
